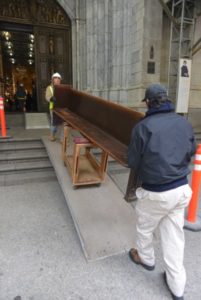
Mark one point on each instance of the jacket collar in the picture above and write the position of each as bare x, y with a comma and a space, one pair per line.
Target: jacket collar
163, 108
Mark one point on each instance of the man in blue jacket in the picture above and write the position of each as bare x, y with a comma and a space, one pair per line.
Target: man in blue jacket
160, 151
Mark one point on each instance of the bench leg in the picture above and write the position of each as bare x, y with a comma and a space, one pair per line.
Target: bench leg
75, 168
132, 185
65, 140
103, 164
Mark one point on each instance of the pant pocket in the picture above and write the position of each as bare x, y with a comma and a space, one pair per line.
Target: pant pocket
187, 194
141, 193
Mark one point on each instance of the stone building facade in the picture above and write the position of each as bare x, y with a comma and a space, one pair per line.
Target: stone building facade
115, 42
110, 48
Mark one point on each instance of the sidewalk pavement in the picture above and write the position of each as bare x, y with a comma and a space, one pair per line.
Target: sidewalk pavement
42, 259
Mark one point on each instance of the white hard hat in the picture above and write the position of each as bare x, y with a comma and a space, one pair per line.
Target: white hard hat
56, 75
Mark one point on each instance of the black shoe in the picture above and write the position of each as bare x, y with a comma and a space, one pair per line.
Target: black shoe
173, 296
137, 260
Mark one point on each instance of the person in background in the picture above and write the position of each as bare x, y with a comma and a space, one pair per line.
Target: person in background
160, 151
49, 96
184, 69
34, 96
20, 98
29, 102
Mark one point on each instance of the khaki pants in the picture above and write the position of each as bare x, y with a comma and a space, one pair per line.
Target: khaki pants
164, 210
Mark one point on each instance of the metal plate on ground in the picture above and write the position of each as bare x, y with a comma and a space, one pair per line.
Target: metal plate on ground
36, 120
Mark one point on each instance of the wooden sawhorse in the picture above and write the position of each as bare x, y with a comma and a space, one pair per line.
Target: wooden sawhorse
84, 168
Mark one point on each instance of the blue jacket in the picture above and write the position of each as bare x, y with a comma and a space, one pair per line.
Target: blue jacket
161, 148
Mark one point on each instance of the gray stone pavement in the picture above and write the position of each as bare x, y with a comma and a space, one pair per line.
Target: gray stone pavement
41, 257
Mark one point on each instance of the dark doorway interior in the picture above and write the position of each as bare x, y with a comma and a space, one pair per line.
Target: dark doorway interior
18, 64
44, 25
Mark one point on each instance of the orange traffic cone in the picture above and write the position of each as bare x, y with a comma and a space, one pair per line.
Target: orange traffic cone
193, 221
2, 118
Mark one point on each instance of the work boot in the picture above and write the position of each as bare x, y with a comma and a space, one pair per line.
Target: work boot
137, 260
173, 296
52, 138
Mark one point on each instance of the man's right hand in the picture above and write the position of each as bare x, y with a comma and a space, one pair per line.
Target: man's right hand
53, 99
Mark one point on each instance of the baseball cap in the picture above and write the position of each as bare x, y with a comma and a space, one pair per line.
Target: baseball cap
154, 91
56, 75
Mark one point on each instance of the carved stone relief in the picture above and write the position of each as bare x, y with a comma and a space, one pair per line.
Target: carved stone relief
42, 44
51, 45
34, 12
60, 46
17, 9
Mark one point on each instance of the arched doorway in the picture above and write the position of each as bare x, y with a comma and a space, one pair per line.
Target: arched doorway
35, 42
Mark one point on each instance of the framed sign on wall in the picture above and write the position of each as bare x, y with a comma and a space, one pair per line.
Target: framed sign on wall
183, 87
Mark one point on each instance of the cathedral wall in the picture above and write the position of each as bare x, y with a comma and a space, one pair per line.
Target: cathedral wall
195, 93
114, 48
119, 47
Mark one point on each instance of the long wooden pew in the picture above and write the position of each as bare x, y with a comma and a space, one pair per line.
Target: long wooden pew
104, 123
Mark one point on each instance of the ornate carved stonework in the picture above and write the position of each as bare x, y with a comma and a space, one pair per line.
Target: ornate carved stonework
33, 12
17, 9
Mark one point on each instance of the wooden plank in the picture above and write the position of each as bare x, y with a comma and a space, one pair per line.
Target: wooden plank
104, 141
112, 118
104, 123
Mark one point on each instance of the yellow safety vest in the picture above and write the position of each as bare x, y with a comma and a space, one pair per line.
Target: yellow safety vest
51, 104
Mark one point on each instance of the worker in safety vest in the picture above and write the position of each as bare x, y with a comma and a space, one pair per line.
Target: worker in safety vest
49, 96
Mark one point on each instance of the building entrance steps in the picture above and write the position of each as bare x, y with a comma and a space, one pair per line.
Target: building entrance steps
104, 221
